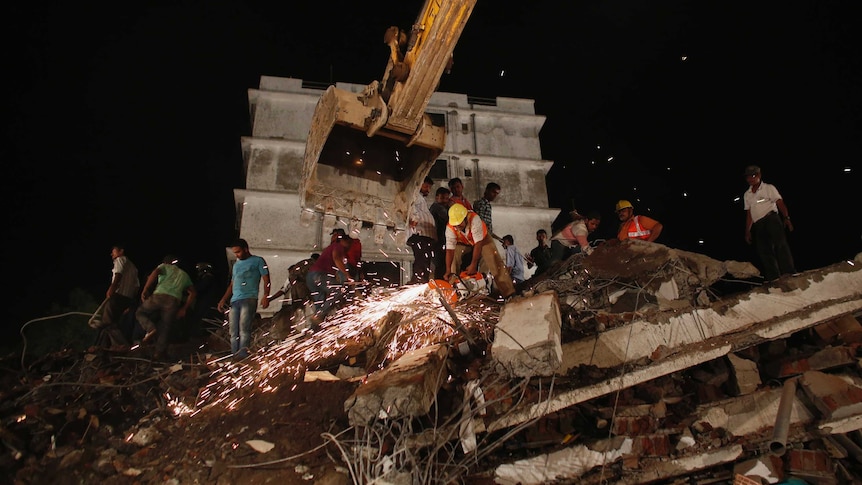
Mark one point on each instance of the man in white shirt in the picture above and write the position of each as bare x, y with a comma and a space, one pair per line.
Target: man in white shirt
424, 236
766, 217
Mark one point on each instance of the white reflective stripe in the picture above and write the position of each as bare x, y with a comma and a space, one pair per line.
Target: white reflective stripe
640, 231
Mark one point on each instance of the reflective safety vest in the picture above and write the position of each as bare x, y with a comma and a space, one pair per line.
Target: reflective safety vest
467, 238
635, 231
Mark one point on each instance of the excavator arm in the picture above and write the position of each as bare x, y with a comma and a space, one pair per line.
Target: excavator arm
367, 152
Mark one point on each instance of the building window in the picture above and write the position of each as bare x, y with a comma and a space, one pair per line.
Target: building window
437, 119
440, 170
465, 128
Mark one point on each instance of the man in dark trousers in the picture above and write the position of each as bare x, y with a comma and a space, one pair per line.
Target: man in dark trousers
120, 297
423, 241
766, 218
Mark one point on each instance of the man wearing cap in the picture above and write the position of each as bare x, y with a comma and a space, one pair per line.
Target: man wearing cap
636, 227
766, 217
466, 229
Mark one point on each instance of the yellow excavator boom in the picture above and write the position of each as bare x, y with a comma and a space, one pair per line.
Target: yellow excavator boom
367, 152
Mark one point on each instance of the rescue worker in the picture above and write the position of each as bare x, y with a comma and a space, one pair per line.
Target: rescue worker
466, 231
636, 227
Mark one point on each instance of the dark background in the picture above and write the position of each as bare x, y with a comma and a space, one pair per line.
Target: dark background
123, 120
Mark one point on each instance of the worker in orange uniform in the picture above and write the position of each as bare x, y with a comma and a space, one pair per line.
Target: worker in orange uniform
636, 227
464, 231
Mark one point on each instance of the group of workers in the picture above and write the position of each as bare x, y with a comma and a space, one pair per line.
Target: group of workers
449, 237
167, 295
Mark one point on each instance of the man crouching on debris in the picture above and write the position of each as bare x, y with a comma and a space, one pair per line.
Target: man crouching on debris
162, 302
326, 276
466, 230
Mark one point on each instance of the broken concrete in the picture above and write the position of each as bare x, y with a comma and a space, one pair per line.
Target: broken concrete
802, 301
833, 396
697, 404
407, 388
527, 337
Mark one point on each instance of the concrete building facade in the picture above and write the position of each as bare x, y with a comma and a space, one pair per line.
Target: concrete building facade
486, 141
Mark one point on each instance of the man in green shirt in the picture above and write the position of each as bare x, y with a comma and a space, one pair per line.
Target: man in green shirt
162, 302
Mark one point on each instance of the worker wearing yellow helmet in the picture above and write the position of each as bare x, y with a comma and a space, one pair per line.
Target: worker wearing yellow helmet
636, 227
466, 232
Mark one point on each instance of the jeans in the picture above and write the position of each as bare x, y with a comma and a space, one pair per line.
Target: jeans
241, 314
321, 284
159, 311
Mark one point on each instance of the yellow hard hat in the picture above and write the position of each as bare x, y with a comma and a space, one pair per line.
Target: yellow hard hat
457, 213
624, 204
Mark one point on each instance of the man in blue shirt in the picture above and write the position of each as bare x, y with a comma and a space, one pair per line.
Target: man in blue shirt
242, 292
514, 260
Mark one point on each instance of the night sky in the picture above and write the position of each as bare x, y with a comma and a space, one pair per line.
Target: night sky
123, 123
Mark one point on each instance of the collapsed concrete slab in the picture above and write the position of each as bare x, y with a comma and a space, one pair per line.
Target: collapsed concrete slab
408, 387
833, 396
527, 337
569, 463
800, 302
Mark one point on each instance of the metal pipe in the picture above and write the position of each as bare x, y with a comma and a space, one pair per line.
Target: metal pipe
849, 445
778, 445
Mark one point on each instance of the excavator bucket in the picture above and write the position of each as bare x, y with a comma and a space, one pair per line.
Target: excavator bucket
368, 152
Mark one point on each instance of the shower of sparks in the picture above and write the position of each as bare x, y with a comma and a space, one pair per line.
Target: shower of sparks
423, 321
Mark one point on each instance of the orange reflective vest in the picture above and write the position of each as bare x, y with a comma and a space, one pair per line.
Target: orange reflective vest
467, 238
634, 230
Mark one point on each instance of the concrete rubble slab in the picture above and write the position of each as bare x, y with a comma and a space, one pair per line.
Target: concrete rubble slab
568, 463
834, 397
651, 470
746, 374
748, 419
527, 337
408, 387
803, 302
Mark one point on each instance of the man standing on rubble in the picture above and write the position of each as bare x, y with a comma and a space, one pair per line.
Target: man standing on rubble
242, 292
466, 232
440, 210
167, 288
456, 187
423, 241
541, 254
514, 260
766, 218
636, 227
120, 297
326, 276
483, 206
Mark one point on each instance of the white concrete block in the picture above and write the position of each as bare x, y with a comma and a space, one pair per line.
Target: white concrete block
527, 337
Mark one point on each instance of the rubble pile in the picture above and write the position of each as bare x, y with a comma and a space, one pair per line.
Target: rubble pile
637, 364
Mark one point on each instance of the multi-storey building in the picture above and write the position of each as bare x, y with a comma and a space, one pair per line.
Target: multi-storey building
487, 140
